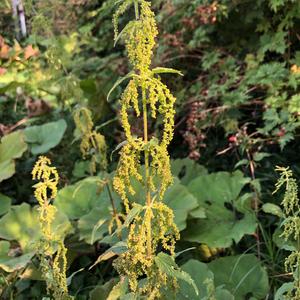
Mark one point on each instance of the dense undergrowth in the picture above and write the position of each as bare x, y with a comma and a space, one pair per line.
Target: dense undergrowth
145, 196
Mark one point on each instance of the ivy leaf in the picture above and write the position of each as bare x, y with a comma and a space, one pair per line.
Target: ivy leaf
44, 137
229, 217
12, 146
241, 275
167, 265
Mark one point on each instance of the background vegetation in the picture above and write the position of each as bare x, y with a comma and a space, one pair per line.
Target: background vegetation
237, 117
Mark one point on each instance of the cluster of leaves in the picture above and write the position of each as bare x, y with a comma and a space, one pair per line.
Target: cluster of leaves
237, 104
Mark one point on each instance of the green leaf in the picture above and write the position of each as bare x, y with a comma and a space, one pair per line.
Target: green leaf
182, 202
273, 209
202, 277
241, 275
260, 156
93, 226
12, 146
119, 289
5, 203
167, 265
10, 263
241, 162
229, 217
118, 82
160, 70
116, 249
186, 170
21, 224
44, 137
283, 290
101, 292
82, 197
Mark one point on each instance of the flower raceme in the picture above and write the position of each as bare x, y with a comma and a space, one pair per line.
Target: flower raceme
51, 249
145, 95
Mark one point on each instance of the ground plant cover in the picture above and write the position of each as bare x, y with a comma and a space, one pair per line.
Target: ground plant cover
149, 149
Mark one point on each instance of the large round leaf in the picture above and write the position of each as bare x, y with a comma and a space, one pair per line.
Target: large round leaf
203, 278
229, 217
21, 224
82, 197
12, 146
242, 275
186, 170
5, 203
10, 263
44, 137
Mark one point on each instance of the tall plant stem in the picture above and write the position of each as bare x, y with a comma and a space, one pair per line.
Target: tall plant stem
147, 172
136, 10
256, 201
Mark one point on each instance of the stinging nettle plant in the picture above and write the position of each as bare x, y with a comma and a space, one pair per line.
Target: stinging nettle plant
291, 226
151, 227
51, 248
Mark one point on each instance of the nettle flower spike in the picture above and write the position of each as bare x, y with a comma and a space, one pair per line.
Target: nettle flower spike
153, 228
92, 144
291, 225
51, 249
143, 91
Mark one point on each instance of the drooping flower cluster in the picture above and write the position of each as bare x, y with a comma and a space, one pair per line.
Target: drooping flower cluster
145, 95
51, 249
92, 143
291, 226
154, 94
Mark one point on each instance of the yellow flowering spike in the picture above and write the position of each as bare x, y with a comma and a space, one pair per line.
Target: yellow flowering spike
48, 177
53, 266
92, 144
145, 94
291, 224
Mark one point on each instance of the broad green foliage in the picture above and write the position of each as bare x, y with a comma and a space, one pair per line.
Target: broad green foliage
12, 146
21, 225
81, 198
204, 279
237, 108
242, 275
228, 214
5, 203
42, 138
10, 263
94, 225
